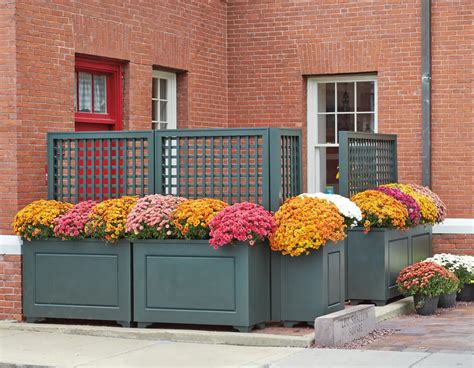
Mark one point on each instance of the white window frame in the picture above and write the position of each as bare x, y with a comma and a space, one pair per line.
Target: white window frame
172, 98
313, 147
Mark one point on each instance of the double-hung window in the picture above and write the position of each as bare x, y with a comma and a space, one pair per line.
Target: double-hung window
97, 95
335, 104
163, 100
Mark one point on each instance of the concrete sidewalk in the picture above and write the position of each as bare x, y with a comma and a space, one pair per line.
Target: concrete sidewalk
48, 349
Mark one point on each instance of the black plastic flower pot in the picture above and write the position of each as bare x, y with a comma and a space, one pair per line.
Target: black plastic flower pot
466, 294
426, 306
447, 300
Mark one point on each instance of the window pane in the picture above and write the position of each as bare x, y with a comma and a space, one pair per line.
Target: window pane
163, 126
163, 111
345, 122
154, 111
154, 88
326, 129
365, 123
85, 93
326, 97
345, 97
365, 96
163, 89
100, 94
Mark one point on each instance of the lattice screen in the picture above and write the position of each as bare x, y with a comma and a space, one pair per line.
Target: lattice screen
366, 161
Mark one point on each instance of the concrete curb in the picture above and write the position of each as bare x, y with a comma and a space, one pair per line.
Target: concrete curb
399, 308
203, 337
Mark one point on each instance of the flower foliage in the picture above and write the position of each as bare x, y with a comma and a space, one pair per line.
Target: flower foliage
428, 210
107, 219
414, 214
461, 266
427, 279
380, 210
440, 206
192, 217
150, 218
36, 220
352, 214
305, 223
241, 222
71, 225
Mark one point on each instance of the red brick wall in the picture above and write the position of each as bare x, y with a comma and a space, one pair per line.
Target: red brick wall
273, 44
186, 36
8, 115
10, 287
453, 243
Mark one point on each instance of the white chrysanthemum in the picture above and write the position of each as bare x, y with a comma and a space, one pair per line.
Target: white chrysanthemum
346, 207
453, 261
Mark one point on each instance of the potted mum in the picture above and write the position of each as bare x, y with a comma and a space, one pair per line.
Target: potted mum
390, 238
308, 266
425, 281
75, 275
463, 268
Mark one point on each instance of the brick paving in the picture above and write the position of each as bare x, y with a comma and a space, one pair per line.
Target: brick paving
449, 330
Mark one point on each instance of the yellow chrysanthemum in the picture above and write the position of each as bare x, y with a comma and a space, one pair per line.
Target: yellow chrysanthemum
305, 223
36, 219
192, 217
428, 210
107, 219
380, 210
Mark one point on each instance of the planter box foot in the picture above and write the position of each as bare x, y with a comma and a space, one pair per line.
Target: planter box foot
378, 303
243, 328
32, 319
290, 324
126, 323
260, 326
143, 324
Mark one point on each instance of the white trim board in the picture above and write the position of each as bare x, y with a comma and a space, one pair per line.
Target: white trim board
455, 226
10, 245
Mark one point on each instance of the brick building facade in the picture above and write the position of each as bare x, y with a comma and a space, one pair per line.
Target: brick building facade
236, 63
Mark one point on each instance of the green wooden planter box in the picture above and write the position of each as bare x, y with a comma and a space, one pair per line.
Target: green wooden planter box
375, 259
187, 281
83, 279
307, 287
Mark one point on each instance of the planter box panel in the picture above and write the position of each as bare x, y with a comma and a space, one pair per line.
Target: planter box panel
309, 286
165, 275
187, 281
421, 247
334, 279
397, 260
84, 279
55, 284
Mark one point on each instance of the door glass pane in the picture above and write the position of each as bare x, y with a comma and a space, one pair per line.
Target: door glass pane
326, 129
365, 96
163, 111
154, 88
365, 123
345, 122
75, 92
85, 92
163, 89
326, 96
100, 91
345, 97
154, 110
327, 160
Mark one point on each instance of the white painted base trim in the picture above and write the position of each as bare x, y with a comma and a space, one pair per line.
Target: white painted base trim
10, 244
455, 226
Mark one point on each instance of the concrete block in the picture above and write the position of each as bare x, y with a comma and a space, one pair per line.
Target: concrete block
341, 327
